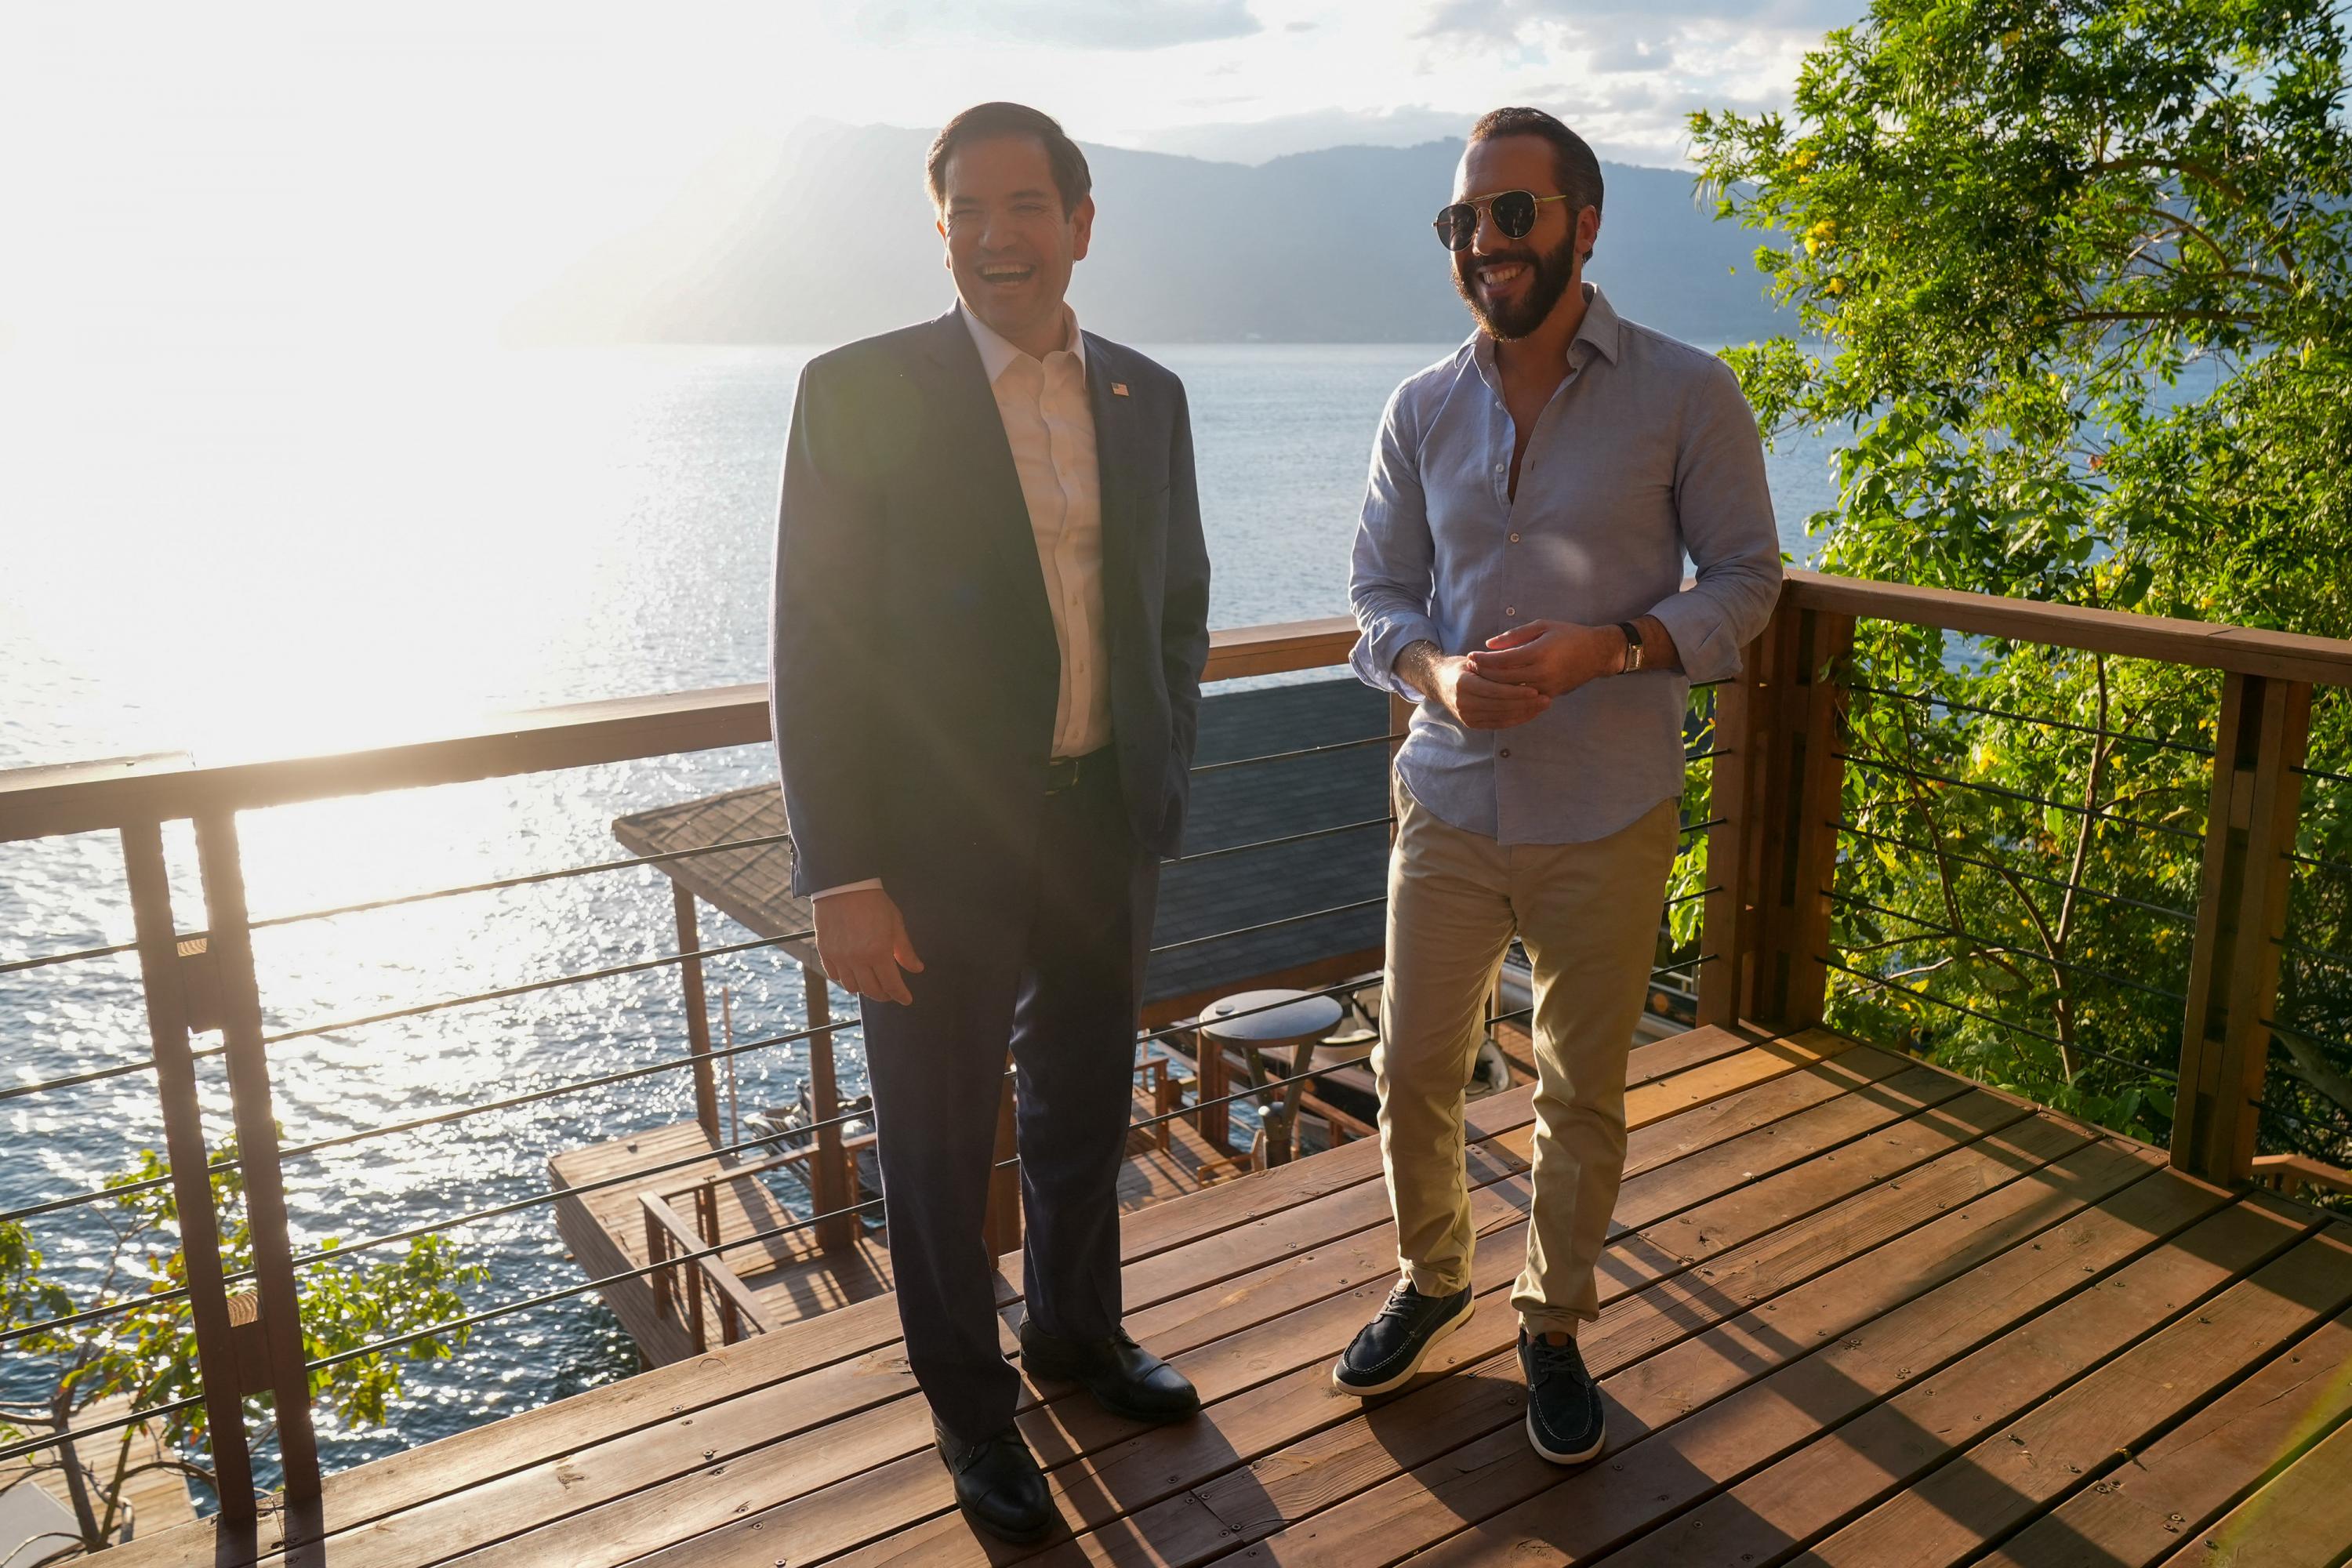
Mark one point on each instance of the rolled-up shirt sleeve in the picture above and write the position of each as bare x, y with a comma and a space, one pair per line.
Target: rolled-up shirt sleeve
1725, 508
1390, 577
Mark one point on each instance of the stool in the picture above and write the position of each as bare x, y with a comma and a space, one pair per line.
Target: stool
1260, 1022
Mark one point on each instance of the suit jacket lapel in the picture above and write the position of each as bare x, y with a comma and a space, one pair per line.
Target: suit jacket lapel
977, 463
1118, 429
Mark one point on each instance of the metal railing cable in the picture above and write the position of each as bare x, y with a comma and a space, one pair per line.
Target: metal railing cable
1288, 756
1958, 933
89, 1314
16, 965
504, 992
1277, 843
2025, 797
99, 1194
113, 1424
1843, 824
575, 1086
1270, 925
2075, 1047
2308, 771
2323, 955
2191, 747
2319, 862
524, 880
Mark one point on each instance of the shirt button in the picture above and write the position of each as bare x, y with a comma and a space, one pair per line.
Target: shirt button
1506, 750
1515, 539
1510, 610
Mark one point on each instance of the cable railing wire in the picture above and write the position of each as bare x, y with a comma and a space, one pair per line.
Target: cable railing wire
1270, 925
668, 1064
16, 965
2024, 797
1958, 933
2191, 747
115, 1424
1301, 751
505, 991
1277, 843
2076, 1048
1843, 824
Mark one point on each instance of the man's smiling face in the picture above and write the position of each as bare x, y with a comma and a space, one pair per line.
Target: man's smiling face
1009, 243
1512, 285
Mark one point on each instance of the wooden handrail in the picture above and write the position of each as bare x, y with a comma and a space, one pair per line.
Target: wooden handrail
2202, 645
89, 797
722, 1278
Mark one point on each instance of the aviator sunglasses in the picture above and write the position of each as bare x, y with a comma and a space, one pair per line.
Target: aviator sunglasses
1514, 212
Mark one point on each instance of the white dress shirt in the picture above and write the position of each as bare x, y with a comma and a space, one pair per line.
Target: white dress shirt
1050, 425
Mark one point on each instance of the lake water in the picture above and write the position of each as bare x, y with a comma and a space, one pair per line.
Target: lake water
252, 557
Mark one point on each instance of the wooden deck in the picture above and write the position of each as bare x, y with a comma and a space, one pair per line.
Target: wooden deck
788, 1275
1855, 1311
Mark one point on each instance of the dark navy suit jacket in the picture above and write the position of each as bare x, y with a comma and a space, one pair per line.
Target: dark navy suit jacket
914, 669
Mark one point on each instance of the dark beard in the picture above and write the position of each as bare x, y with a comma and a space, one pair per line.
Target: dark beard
1554, 271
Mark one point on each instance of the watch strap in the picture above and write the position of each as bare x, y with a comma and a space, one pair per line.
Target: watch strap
1632, 647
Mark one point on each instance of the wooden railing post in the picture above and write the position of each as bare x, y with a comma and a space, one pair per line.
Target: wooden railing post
2233, 971
230, 940
162, 974
1002, 1229
1774, 849
697, 1015
830, 1185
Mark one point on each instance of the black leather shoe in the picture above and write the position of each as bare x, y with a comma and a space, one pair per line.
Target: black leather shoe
999, 1485
1125, 1378
1564, 1415
1390, 1348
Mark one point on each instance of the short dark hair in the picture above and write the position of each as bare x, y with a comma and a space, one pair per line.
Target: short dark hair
1578, 170
986, 122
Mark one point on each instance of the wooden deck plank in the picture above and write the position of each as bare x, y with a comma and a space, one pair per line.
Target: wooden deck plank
2142, 1512
384, 1486
1579, 1517
2302, 1520
1843, 1470
2013, 1475
1144, 1469
1403, 1492
1192, 1267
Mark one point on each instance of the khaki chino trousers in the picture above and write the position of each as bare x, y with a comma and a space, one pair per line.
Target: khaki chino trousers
1587, 915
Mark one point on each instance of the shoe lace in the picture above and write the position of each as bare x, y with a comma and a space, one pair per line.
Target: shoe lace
1403, 1303
1546, 1361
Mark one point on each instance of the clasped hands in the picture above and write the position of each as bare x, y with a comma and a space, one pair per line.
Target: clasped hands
1516, 675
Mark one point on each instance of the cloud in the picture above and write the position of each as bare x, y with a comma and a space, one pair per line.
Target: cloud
1073, 24
1633, 54
1508, 21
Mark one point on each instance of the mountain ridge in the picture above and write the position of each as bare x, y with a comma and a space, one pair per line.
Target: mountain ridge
825, 235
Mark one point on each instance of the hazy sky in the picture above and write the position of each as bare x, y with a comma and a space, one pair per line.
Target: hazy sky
204, 174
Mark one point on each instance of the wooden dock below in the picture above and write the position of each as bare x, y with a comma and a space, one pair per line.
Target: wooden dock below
1855, 1310
789, 1276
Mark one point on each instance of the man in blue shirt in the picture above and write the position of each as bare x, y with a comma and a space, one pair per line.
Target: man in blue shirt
1519, 574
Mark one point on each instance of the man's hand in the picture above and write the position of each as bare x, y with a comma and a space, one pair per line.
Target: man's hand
862, 943
1478, 701
1554, 657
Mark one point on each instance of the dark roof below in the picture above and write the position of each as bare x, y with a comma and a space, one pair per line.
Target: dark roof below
1253, 804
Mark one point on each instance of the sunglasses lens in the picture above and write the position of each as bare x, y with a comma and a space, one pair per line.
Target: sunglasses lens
1456, 225
1515, 213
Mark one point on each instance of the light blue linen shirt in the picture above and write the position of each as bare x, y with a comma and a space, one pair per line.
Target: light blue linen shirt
1647, 454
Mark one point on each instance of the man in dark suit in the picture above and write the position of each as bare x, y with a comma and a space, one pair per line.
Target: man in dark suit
991, 618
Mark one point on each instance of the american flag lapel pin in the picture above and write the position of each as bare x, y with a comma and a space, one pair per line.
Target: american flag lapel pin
1119, 389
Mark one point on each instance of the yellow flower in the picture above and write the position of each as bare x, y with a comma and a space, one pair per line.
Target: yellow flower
1812, 245
1837, 285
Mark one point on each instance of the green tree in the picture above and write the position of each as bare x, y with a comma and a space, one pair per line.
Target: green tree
2075, 287
146, 1353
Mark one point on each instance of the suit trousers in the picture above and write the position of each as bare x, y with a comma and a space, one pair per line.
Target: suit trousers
1048, 956
1587, 915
